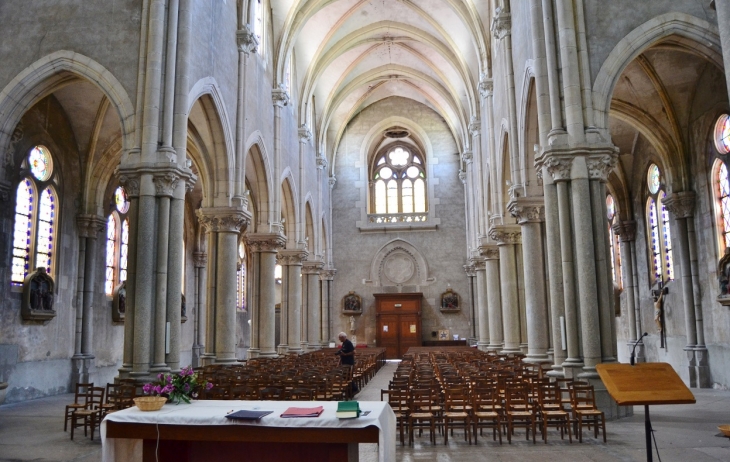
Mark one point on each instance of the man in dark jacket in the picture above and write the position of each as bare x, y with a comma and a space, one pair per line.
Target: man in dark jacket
347, 355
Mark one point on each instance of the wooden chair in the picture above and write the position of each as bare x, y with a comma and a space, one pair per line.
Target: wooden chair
457, 412
583, 402
551, 411
79, 402
301, 394
423, 412
398, 401
272, 394
487, 412
518, 411
91, 414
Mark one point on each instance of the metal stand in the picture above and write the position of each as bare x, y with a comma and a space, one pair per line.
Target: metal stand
647, 429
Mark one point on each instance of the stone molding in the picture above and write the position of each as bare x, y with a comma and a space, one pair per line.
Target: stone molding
506, 234
501, 24
475, 126
321, 162
486, 86
327, 274
130, 182
601, 158
166, 183
489, 252
90, 225
527, 209
291, 257
265, 242
626, 230
332, 181
559, 168
200, 259
246, 40
279, 96
467, 157
223, 219
477, 264
312, 267
305, 134
4, 190
462, 176
681, 204
601, 165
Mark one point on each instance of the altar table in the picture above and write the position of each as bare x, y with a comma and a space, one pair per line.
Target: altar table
199, 431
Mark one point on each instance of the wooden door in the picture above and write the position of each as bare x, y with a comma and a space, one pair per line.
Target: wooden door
399, 323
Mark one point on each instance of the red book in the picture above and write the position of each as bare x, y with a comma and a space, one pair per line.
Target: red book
303, 412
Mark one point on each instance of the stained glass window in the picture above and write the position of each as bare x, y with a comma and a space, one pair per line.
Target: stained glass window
722, 134
120, 200
124, 251
22, 232
398, 184
35, 216
241, 279
111, 250
659, 235
117, 241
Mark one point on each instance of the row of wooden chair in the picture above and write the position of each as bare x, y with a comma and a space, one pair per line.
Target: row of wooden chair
92, 403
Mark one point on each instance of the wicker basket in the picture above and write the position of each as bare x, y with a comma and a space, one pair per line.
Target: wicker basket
150, 403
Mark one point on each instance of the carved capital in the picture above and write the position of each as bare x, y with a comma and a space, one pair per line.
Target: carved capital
462, 176
486, 86
506, 234
501, 24
476, 265
265, 242
166, 183
280, 96
305, 134
246, 40
327, 274
475, 126
527, 209
489, 252
130, 182
312, 267
559, 167
321, 162
626, 230
601, 165
200, 259
90, 225
4, 190
332, 181
467, 157
681, 204
291, 257
223, 219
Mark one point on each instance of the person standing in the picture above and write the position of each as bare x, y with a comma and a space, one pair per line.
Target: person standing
347, 355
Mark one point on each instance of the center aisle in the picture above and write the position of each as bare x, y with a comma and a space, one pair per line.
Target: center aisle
371, 392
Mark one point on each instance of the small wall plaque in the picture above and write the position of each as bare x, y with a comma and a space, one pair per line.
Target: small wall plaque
352, 303
450, 301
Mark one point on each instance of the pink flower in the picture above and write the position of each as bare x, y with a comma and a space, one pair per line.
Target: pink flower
208, 386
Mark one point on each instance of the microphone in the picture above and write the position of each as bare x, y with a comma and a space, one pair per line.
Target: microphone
634, 349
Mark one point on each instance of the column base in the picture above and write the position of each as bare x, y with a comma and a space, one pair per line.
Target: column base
282, 349
197, 353
207, 359
699, 369
572, 367
268, 354
556, 372
226, 361
253, 353
483, 346
296, 351
157, 368
510, 351
605, 403
496, 347
524, 348
536, 358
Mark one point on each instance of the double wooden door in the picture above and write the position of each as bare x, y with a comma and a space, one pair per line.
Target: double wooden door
399, 323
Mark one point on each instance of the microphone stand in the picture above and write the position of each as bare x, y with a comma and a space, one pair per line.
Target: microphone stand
633, 350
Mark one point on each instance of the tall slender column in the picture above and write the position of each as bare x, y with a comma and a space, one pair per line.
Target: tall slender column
291, 300
507, 237
83, 234
280, 98
723, 18
494, 297
530, 212
327, 277
200, 260
313, 323
165, 184
264, 247
131, 184
247, 44
626, 230
480, 267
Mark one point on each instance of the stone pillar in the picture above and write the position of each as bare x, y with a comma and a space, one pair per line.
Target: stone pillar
626, 231
327, 277
507, 237
223, 225
291, 300
723, 19
681, 205
263, 311
131, 184
530, 213
494, 297
200, 261
164, 185
480, 267
313, 323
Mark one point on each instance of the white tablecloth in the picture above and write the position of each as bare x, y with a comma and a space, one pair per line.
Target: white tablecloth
213, 413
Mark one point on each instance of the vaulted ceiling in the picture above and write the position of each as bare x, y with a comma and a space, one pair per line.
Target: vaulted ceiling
350, 54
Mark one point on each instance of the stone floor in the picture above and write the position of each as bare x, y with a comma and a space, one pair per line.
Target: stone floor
33, 431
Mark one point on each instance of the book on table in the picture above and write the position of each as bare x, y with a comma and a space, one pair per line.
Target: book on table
303, 412
348, 409
247, 415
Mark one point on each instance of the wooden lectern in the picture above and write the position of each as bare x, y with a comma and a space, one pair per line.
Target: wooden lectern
644, 384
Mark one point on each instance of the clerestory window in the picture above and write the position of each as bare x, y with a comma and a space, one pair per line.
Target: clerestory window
117, 242
659, 235
398, 184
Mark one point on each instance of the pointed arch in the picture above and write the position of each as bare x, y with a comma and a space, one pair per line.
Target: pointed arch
289, 209
258, 180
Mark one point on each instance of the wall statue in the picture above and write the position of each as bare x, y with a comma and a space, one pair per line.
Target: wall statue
723, 273
38, 296
119, 302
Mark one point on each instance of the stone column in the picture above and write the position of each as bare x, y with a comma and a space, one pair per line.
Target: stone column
507, 236
626, 231
313, 323
223, 225
494, 297
291, 300
681, 205
723, 19
131, 184
200, 261
480, 267
327, 277
263, 310
530, 213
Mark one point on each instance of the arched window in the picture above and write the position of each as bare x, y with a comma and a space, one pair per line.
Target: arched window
722, 134
613, 241
241, 278
36, 216
117, 242
659, 235
398, 185
721, 185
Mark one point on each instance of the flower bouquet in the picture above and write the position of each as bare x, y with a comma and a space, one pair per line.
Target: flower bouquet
182, 386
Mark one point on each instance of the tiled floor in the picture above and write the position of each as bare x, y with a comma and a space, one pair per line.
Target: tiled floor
33, 431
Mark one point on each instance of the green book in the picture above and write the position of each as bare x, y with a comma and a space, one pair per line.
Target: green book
348, 409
